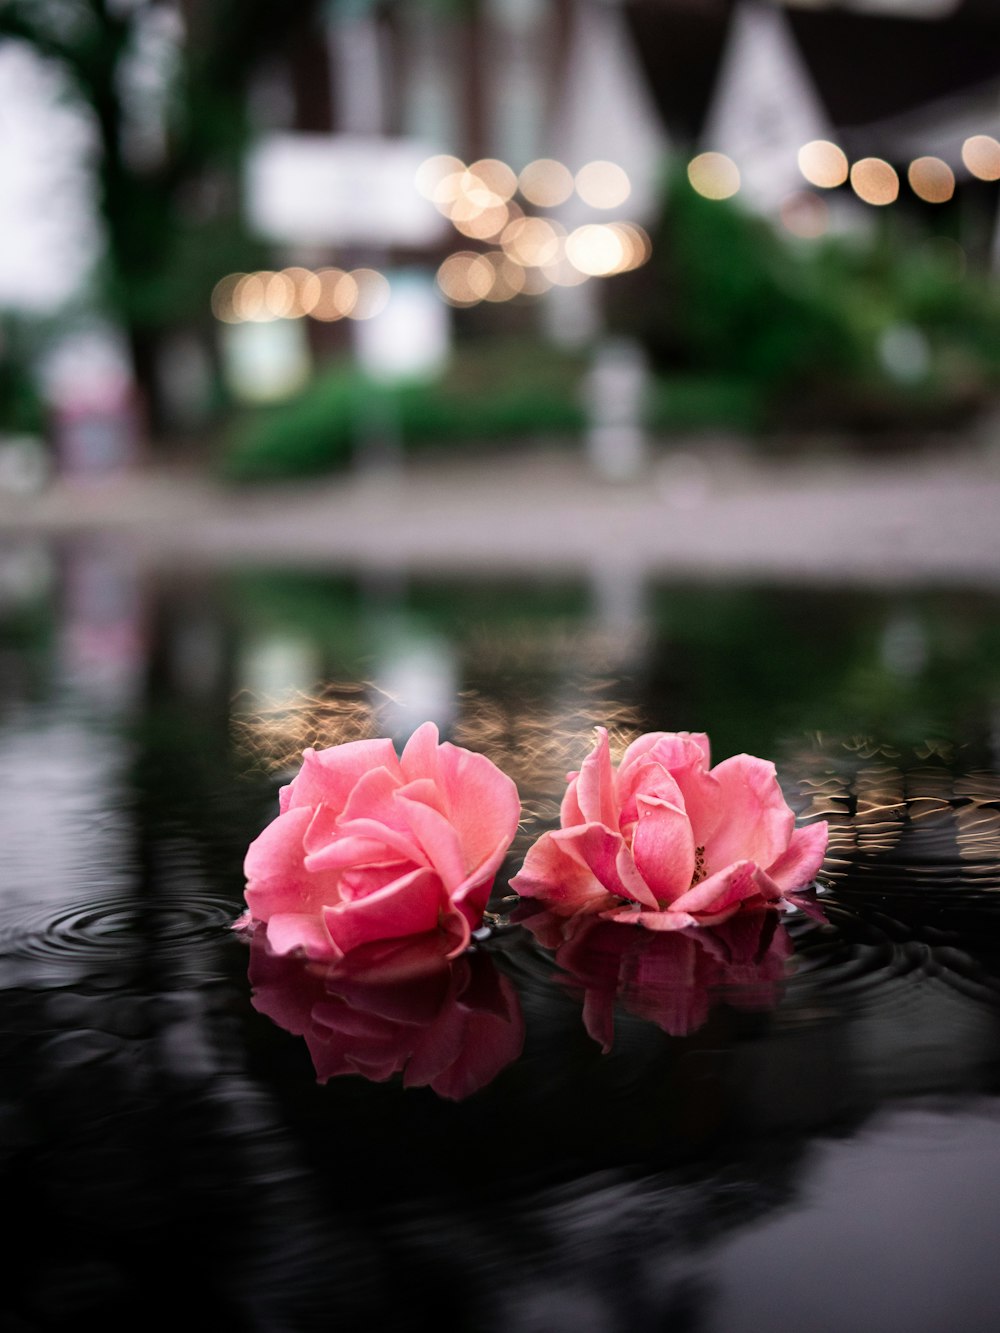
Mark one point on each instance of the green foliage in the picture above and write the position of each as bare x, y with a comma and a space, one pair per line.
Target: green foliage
791, 331
21, 407
497, 392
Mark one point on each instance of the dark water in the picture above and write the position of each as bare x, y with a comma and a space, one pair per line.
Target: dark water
784, 1124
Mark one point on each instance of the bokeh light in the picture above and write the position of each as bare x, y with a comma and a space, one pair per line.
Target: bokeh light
308, 289
496, 176
823, 164
545, 183
222, 298
981, 154
372, 293
595, 249
248, 297
714, 175
508, 277
532, 241
931, 180
602, 184
875, 182
434, 170
465, 278
279, 296
333, 300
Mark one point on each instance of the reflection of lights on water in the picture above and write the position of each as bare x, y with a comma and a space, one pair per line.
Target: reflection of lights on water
931, 180
328, 294
545, 183
981, 154
805, 214
602, 184
874, 181
714, 175
823, 164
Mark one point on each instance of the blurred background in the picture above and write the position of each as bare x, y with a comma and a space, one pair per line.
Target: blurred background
272, 239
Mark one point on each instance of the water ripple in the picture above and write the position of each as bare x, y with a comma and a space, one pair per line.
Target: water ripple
107, 936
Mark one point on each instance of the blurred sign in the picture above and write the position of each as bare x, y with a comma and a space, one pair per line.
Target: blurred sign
265, 362
411, 337
316, 189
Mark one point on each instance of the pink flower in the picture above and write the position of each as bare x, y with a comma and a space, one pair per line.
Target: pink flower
369, 847
451, 1026
667, 842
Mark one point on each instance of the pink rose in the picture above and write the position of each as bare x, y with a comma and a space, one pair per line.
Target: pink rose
369, 847
672, 978
451, 1026
667, 842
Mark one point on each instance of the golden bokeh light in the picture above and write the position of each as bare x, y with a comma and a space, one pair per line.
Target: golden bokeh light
248, 297
714, 175
562, 272
307, 288
371, 293
532, 242
433, 171
330, 302
497, 177
545, 183
981, 154
536, 281
279, 296
636, 245
222, 298
823, 164
805, 214
931, 180
603, 184
479, 223
508, 277
875, 182
595, 249
465, 278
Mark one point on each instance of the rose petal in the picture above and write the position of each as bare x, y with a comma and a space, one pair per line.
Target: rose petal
329, 776
800, 863
605, 854
288, 931
663, 848
757, 823
410, 906
595, 786
549, 872
721, 894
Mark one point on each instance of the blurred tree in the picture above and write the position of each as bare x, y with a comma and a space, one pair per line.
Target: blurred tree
167, 83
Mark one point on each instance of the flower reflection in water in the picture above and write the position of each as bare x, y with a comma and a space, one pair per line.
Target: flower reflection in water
451, 1025
673, 979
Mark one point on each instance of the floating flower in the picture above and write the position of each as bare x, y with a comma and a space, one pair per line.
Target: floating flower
448, 1025
369, 847
667, 842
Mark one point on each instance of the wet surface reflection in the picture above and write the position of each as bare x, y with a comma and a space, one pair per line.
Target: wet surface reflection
614, 1129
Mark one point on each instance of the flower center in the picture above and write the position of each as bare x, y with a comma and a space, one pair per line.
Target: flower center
699, 866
